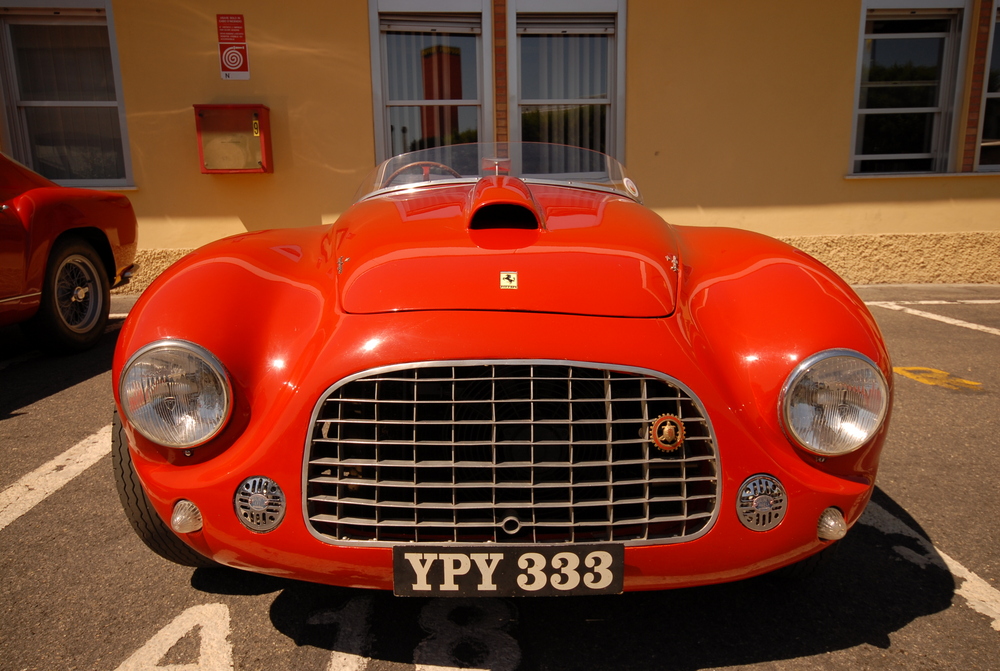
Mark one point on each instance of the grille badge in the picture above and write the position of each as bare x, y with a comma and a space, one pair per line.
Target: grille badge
667, 433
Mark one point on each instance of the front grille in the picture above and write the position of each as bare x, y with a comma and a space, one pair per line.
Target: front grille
511, 452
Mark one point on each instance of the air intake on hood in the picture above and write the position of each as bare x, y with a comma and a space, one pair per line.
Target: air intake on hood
502, 202
503, 215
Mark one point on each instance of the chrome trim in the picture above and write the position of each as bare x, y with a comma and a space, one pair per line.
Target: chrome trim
20, 298
207, 356
799, 369
259, 504
703, 439
761, 502
438, 183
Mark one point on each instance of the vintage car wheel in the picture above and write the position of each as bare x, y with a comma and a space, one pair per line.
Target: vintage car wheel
76, 299
140, 513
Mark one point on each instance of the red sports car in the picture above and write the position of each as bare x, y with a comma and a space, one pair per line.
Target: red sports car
61, 251
499, 374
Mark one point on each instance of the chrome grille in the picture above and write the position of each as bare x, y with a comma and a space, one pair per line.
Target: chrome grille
511, 452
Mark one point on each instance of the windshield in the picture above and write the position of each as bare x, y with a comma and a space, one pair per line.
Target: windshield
530, 161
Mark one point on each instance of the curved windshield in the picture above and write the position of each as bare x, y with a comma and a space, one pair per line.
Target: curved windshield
530, 161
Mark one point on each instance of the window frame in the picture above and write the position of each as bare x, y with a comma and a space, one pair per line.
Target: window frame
14, 129
945, 149
987, 95
616, 60
423, 16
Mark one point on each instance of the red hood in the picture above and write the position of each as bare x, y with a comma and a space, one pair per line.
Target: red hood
592, 253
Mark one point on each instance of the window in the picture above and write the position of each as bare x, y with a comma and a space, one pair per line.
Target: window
906, 92
455, 71
566, 75
64, 112
431, 80
989, 150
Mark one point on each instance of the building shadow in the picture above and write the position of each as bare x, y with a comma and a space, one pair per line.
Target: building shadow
865, 594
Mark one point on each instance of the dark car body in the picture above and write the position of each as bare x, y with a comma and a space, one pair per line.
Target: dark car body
61, 251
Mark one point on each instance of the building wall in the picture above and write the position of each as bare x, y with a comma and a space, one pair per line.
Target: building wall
737, 114
741, 115
309, 63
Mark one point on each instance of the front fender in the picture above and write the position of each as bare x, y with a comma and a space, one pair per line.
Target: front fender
753, 308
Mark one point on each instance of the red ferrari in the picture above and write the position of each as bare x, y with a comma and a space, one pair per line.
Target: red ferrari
499, 374
61, 252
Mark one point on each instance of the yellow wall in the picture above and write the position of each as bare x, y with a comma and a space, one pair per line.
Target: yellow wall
740, 114
737, 114
309, 62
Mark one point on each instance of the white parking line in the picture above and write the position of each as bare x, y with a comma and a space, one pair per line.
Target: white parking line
899, 306
979, 595
34, 487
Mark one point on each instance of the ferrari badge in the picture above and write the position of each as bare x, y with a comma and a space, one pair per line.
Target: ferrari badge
508, 280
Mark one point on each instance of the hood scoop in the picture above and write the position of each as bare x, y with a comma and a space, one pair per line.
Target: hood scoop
487, 247
499, 203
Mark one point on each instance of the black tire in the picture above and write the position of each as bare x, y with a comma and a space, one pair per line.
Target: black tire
144, 519
76, 299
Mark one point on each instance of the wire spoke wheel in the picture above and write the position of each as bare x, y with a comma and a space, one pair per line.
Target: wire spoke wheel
78, 296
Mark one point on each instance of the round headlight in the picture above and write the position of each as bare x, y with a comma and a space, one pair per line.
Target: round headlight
176, 393
834, 402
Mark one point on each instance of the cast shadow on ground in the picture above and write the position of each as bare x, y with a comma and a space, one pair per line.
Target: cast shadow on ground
30, 375
863, 595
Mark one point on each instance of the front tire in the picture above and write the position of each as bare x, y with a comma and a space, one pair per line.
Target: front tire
76, 299
145, 521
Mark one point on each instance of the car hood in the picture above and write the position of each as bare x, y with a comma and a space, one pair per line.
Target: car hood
502, 245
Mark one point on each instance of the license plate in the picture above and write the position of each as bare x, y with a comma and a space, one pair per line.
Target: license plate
488, 570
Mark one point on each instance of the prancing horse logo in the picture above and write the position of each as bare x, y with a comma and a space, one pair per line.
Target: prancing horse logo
508, 280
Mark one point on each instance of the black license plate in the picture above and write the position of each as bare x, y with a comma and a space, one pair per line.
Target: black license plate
488, 570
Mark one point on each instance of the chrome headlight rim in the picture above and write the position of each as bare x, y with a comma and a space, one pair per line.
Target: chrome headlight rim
793, 378
213, 363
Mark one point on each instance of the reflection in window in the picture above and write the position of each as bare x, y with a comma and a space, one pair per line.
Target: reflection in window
70, 126
903, 99
564, 87
989, 152
432, 89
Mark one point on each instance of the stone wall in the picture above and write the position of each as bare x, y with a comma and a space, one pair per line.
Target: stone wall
925, 258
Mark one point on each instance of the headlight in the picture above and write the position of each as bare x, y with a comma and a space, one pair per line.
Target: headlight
176, 393
834, 402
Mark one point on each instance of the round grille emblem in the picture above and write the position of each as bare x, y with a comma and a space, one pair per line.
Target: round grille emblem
667, 432
259, 503
761, 502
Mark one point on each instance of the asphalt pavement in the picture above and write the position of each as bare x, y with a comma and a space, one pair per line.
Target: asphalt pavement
913, 586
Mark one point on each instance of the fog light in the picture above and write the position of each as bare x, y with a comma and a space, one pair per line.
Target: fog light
831, 526
186, 518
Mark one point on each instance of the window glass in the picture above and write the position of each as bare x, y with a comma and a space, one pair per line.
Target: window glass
573, 71
430, 81
989, 151
431, 66
902, 101
575, 125
412, 127
63, 62
66, 117
560, 67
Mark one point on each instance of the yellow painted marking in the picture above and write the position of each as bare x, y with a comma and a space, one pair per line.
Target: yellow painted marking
938, 378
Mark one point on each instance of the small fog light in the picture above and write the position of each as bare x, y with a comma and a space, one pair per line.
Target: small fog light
186, 518
831, 526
